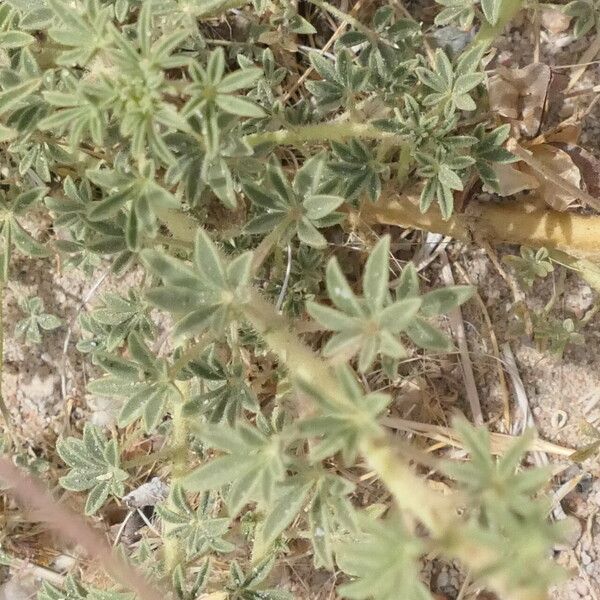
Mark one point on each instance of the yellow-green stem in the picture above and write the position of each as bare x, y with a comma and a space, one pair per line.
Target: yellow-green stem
174, 549
336, 132
408, 490
3, 408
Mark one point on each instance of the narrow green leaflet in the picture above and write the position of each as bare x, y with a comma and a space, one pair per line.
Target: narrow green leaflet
94, 465
294, 208
367, 325
382, 562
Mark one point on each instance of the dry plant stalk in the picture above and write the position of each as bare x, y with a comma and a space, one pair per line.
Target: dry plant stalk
67, 524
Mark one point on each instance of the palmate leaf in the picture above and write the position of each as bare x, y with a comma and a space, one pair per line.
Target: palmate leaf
142, 381
35, 320
337, 432
367, 326
228, 395
254, 464
202, 531
504, 513
297, 208
382, 562
94, 465
207, 295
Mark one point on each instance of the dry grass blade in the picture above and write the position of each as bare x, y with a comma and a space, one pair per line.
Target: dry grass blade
458, 327
495, 348
500, 442
76, 530
586, 59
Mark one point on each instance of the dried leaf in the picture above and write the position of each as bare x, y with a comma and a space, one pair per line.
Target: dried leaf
588, 165
511, 180
519, 95
561, 164
518, 177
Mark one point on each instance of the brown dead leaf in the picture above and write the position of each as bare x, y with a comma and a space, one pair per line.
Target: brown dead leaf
587, 163
564, 133
277, 38
519, 177
511, 180
519, 95
560, 163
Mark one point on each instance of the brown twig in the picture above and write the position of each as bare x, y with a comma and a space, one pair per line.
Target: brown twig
458, 328
70, 526
495, 348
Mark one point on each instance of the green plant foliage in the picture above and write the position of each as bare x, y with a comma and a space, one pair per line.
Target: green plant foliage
209, 295
143, 381
211, 169
229, 394
12, 232
73, 590
585, 15
247, 586
36, 319
201, 531
503, 513
463, 12
95, 466
531, 265
113, 319
299, 207
369, 325
556, 334
450, 86
382, 562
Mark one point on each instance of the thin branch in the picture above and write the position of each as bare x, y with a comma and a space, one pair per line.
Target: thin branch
70, 526
458, 327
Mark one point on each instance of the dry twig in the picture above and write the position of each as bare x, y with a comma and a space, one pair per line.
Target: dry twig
76, 530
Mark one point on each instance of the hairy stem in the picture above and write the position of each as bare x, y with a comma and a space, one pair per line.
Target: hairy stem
506, 222
174, 546
3, 408
336, 132
408, 490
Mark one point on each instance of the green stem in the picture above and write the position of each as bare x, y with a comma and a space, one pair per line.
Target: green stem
342, 16
408, 490
174, 546
3, 408
333, 131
